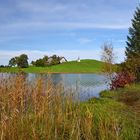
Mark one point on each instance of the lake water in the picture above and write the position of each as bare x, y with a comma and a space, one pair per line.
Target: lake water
84, 85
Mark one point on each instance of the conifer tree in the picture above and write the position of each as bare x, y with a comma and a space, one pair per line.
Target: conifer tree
133, 39
132, 52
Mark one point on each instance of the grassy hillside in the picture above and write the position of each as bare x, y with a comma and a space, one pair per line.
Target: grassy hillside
85, 66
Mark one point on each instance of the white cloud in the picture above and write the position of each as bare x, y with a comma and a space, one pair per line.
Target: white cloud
84, 40
60, 25
59, 15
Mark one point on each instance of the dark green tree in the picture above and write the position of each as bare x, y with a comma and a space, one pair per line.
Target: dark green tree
40, 63
33, 63
22, 61
55, 60
45, 59
12, 62
133, 39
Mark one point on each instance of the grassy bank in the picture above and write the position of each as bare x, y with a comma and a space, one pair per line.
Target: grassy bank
85, 66
129, 95
39, 111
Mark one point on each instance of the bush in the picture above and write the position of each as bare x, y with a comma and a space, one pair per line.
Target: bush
120, 80
40, 63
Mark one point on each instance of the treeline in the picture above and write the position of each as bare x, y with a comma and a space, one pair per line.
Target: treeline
22, 61
47, 61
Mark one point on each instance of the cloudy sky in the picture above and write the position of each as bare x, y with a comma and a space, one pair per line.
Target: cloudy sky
69, 28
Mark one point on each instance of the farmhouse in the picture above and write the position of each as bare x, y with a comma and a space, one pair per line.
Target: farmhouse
50, 59
63, 60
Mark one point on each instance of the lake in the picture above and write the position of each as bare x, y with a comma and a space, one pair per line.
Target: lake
84, 86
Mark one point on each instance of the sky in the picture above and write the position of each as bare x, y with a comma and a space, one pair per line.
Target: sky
69, 28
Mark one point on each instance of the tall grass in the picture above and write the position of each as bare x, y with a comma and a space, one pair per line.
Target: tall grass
43, 111
37, 111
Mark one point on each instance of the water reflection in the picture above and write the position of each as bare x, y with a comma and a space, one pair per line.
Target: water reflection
83, 85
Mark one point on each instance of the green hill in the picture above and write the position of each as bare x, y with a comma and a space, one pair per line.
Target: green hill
85, 66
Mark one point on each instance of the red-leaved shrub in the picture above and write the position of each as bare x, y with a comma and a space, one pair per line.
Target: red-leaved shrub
120, 80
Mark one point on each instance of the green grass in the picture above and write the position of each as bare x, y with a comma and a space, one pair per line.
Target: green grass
113, 120
85, 66
129, 90
130, 97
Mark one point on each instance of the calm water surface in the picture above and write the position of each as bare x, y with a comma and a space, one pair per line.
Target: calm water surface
84, 86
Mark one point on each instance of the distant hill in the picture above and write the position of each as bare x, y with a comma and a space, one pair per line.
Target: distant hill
85, 66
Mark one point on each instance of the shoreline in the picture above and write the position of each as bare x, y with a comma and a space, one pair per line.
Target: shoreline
52, 72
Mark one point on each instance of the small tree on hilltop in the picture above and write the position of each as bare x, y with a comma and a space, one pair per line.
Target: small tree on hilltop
55, 60
45, 59
40, 63
12, 62
22, 61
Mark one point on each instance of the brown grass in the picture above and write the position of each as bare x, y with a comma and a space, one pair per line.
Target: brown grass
38, 111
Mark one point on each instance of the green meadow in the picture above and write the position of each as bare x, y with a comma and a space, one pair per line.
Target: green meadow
85, 66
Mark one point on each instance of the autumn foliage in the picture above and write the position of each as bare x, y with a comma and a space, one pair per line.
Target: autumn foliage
121, 79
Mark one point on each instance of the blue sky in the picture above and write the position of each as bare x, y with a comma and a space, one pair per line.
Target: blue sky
69, 28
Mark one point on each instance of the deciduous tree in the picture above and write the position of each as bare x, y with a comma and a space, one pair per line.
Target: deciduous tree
108, 58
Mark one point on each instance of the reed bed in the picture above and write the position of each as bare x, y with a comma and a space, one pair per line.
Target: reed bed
43, 111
